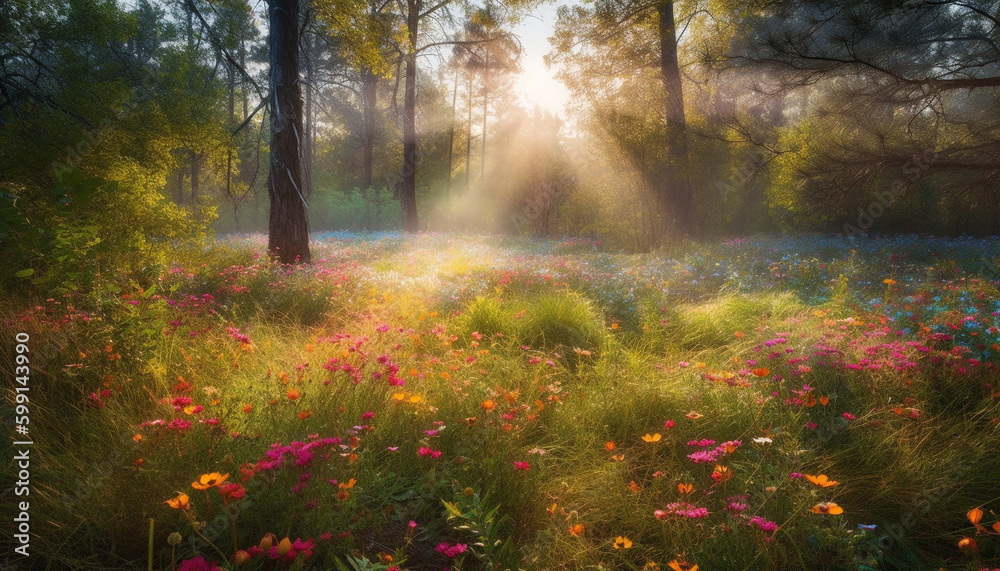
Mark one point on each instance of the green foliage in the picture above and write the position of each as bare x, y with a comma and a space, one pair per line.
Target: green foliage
88, 233
475, 516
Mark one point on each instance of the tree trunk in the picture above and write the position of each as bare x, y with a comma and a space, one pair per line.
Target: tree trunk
468, 142
676, 191
369, 92
307, 142
408, 190
486, 114
288, 227
195, 177
451, 138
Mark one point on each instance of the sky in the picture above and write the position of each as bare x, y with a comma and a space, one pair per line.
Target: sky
535, 84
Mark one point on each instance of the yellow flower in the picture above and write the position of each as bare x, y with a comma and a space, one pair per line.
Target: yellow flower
651, 437
283, 546
622, 542
682, 566
210, 480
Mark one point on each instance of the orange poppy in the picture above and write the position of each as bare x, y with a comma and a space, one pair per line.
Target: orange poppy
609, 446
682, 566
488, 404
762, 372
821, 481
685, 488
576, 530
181, 502
827, 508
209, 480
968, 544
622, 542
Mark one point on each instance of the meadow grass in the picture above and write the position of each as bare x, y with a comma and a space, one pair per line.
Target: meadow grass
496, 403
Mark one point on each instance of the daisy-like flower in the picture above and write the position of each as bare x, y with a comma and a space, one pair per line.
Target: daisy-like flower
821, 481
827, 508
181, 502
622, 542
209, 480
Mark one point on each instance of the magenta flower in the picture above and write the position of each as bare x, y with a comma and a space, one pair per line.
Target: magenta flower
521, 466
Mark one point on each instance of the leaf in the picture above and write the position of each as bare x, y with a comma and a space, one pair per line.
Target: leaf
24, 273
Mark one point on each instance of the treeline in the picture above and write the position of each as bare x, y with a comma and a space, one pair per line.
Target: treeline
688, 118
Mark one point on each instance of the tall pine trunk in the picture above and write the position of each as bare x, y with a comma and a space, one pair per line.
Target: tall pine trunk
468, 141
369, 92
288, 228
408, 190
451, 138
307, 142
676, 192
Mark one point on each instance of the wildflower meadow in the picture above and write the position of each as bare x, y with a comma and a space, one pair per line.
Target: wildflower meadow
450, 401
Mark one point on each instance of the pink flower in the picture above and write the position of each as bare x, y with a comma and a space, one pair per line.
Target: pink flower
848, 416
198, 564
521, 466
427, 451
763, 524
451, 551
668, 424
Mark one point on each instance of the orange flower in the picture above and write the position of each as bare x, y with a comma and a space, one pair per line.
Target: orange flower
968, 545
974, 515
342, 495
721, 473
209, 480
305, 414
651, 437
740, 334
633, 486
827, 508
293, 394
622, 542
824, 400
762, 372
138, 462
488, 404
576, 530
609, 446
551, 510
617, 457
181, 502
995, 526
821, 481
247, 408
685, 488
682, 566
693, 415
137, 437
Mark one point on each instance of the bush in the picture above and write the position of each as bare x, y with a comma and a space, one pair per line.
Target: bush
89, 234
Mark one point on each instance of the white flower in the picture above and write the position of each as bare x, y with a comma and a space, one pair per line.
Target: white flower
763, 440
